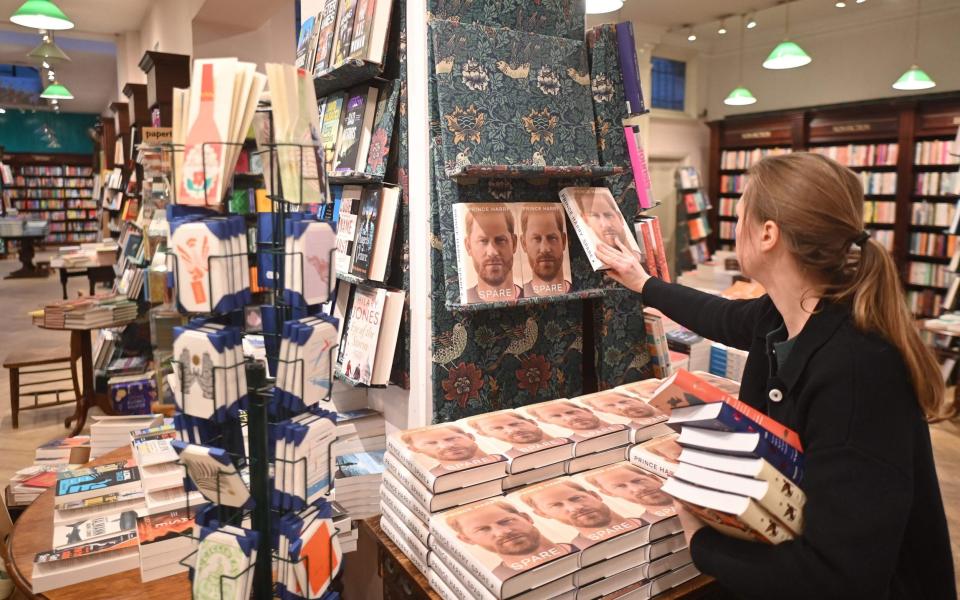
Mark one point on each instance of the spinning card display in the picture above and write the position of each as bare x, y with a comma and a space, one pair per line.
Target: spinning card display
209, 380
308, 248
214, 475
302, 451
225, 558
309, 551
304, 373
296, 129
209, 261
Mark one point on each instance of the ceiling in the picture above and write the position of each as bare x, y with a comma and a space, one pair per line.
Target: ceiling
93, 16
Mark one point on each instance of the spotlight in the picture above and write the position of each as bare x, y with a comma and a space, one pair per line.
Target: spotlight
751, 21
691, 36
840, 4
723, 28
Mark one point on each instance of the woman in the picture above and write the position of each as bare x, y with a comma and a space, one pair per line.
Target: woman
834, 356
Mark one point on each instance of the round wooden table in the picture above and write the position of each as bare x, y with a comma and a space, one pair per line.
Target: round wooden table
33, 533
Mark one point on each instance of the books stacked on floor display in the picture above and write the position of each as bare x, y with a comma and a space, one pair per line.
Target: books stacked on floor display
161, 475
356, 483
107, 433
89, 312
731, 465
521, 469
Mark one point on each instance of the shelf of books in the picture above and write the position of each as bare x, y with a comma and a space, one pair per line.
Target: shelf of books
693, 226
902, 152
61, 194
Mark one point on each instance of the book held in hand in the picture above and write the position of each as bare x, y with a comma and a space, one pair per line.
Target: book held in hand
597, 220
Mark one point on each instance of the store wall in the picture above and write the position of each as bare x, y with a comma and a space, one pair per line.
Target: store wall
852, 61
44, 132
258, 32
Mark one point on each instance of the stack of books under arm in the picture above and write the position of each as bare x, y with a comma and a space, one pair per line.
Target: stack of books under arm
94, 526
733, 466
536, 502
89, 312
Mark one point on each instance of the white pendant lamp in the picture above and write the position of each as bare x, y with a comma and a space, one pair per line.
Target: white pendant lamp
740, 96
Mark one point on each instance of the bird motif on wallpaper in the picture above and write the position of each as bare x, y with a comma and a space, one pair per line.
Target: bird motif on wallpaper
538, 159
577, 344
462, 160
449, 346
514, 72
639, 361
523, 337
581, 78
435, 242
445, 66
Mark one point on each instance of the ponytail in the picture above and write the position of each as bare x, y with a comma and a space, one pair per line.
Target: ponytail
818, 205
876, 297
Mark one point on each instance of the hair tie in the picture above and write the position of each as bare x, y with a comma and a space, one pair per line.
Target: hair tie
861, 239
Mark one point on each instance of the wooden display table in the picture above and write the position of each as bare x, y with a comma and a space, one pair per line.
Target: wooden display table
33, 532
402, 580
94, 273
25, 253
89, 398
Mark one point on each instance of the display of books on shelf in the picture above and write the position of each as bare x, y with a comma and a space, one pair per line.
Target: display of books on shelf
375, 226
596, 219
356, 128
510, 251
936, 152
652, 251
370, 337
861, 155
742, 159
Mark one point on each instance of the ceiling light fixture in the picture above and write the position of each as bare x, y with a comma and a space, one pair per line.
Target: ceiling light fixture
41, 14
840, 4
3, 111
751, 21
915, 78
691, 36
48, 52
51, 76
787, 54
55, 90
740, 96
599, 7
54, 101
861, 1
723, 27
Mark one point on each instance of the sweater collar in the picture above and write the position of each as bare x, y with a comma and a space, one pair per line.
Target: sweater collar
821, 326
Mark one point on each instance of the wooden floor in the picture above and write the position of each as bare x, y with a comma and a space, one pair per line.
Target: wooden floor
17, 297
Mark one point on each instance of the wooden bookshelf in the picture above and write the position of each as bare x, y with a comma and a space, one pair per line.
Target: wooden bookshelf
881, 141
59, 189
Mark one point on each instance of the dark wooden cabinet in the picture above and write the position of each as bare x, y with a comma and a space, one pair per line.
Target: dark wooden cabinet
165, 71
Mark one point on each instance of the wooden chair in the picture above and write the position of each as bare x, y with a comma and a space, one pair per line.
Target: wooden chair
42, 376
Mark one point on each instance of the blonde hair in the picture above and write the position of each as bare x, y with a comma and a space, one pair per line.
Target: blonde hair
818, 206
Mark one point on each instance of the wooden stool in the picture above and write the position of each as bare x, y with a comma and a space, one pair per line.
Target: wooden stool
52, 370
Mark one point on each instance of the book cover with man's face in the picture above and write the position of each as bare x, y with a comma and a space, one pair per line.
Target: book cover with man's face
563, 418
622, 408
511, 433
504, 536
634, 491
445, 448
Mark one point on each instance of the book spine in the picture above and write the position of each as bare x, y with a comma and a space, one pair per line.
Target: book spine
404, 515
566, 198
761, 521
412, 526
661, 251
629, 70
458, 235
770, 426
409, 545
441, 587
455, 549
405, 497
638, 164
452, 573
724, 523
648, 462
785, 508
409, 482
649, 249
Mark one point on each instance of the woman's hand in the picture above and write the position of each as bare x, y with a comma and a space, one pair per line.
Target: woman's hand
624, 265
691, 523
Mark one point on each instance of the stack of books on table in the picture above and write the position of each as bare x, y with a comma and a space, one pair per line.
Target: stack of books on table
165, 541
733, 466
160, 472
28, 483
357, 480
94, 526
536, 502
107, 433
89, 312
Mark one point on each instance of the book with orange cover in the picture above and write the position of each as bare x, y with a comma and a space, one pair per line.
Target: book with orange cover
683, 389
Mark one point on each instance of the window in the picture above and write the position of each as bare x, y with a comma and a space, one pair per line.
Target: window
19, 85
669, 83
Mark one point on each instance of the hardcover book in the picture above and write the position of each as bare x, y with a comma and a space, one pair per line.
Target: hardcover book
330, 127
785, 459
435, 502
527, 554
446, 456
384, 122
347, 227
629, 71
370, 29
377, 221
489, 264
344, 32
597, 220
353, 141
371, 336
303, 43
659, 456
588, 432
520, 438
544, 248
625, 409
327, 28
89, 482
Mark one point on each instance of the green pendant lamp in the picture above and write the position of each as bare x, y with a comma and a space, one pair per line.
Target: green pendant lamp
56, 91
740, 96
915, 78
48, 52
787, 54
41, 14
